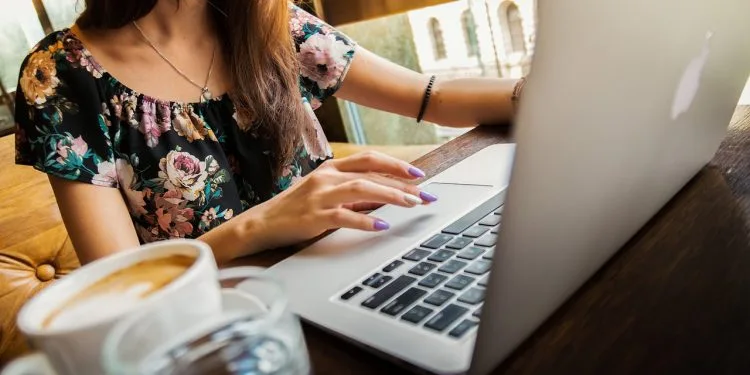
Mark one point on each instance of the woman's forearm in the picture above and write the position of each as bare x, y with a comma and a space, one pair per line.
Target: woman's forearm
465, 102
377, 83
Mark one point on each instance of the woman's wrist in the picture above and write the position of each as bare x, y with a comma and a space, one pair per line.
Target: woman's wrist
241, 236
250, 232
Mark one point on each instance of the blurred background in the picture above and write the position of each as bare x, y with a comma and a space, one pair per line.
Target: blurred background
459, 38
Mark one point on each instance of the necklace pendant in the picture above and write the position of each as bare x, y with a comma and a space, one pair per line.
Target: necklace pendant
205, 94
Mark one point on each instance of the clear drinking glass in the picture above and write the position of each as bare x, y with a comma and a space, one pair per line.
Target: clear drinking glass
256, 334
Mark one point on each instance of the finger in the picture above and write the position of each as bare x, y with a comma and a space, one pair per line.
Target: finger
366, 191
372, 161
366, 206
333, 177
343, 218
396, 184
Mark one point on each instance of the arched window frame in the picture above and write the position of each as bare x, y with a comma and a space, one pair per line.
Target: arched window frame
438, 42
513, 32
469, 27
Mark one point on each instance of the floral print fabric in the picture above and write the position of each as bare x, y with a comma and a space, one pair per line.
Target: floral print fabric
182, 168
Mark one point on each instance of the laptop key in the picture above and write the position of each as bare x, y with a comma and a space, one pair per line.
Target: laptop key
465, 326
475, 232
471, 253
491, 220
489, 254
416, 314
446, 317
393, 265
483, 281
459, 243
464, 223
479, 267
478, 312
432, 280
441, 255
439, 297
437, 240
403, 301
472, 296
499, 210
488, 240
371, 279
380, 281
416, 255
422, 269
460, 282
452, 266
351, 293
390, 290
496, 230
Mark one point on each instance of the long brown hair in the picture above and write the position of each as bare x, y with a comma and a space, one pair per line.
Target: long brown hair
263, 68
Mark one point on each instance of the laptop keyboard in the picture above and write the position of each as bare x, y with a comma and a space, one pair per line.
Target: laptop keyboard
440, 285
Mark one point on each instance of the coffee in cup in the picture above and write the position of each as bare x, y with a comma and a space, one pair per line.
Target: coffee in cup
117, 292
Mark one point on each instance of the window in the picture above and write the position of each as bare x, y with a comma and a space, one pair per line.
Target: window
438, 43
63, 13
745, 98
470, 33
427, 38
510, 16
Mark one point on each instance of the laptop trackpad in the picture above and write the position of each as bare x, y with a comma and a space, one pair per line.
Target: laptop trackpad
453, 199
407, 224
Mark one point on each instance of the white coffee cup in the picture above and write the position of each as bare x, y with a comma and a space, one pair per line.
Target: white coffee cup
190, 298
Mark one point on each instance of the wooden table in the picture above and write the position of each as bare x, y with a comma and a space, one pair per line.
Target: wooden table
674, 300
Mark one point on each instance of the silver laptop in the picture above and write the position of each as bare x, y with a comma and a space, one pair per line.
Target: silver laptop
626, 101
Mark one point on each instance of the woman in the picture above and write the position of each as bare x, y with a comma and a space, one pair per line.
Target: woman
161, 119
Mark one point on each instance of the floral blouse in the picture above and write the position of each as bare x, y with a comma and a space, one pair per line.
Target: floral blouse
182, 168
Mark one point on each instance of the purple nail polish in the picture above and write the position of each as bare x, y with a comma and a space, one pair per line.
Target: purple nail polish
416, 172
381, 225
427, 196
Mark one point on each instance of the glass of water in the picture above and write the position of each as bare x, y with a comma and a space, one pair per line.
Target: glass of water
255, 334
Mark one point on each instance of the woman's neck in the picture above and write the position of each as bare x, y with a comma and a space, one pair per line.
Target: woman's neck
178, 20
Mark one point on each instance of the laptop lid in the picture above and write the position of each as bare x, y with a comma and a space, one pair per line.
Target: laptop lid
626, 101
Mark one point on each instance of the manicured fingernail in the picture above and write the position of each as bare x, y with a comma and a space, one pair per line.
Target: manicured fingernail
381, 225
412, 199
427, 196
416, 172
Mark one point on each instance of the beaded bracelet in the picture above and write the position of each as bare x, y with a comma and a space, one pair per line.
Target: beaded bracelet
426, 99
516, 95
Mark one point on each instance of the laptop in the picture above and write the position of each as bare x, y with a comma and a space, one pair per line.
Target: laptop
626, 101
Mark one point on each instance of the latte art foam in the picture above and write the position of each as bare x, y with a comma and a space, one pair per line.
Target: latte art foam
118, 291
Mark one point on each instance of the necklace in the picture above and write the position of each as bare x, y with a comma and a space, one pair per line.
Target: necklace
205, 93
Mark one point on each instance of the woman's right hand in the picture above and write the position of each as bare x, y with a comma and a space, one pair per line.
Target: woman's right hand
329, 197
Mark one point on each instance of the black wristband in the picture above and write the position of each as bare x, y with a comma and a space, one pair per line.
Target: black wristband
425, 99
